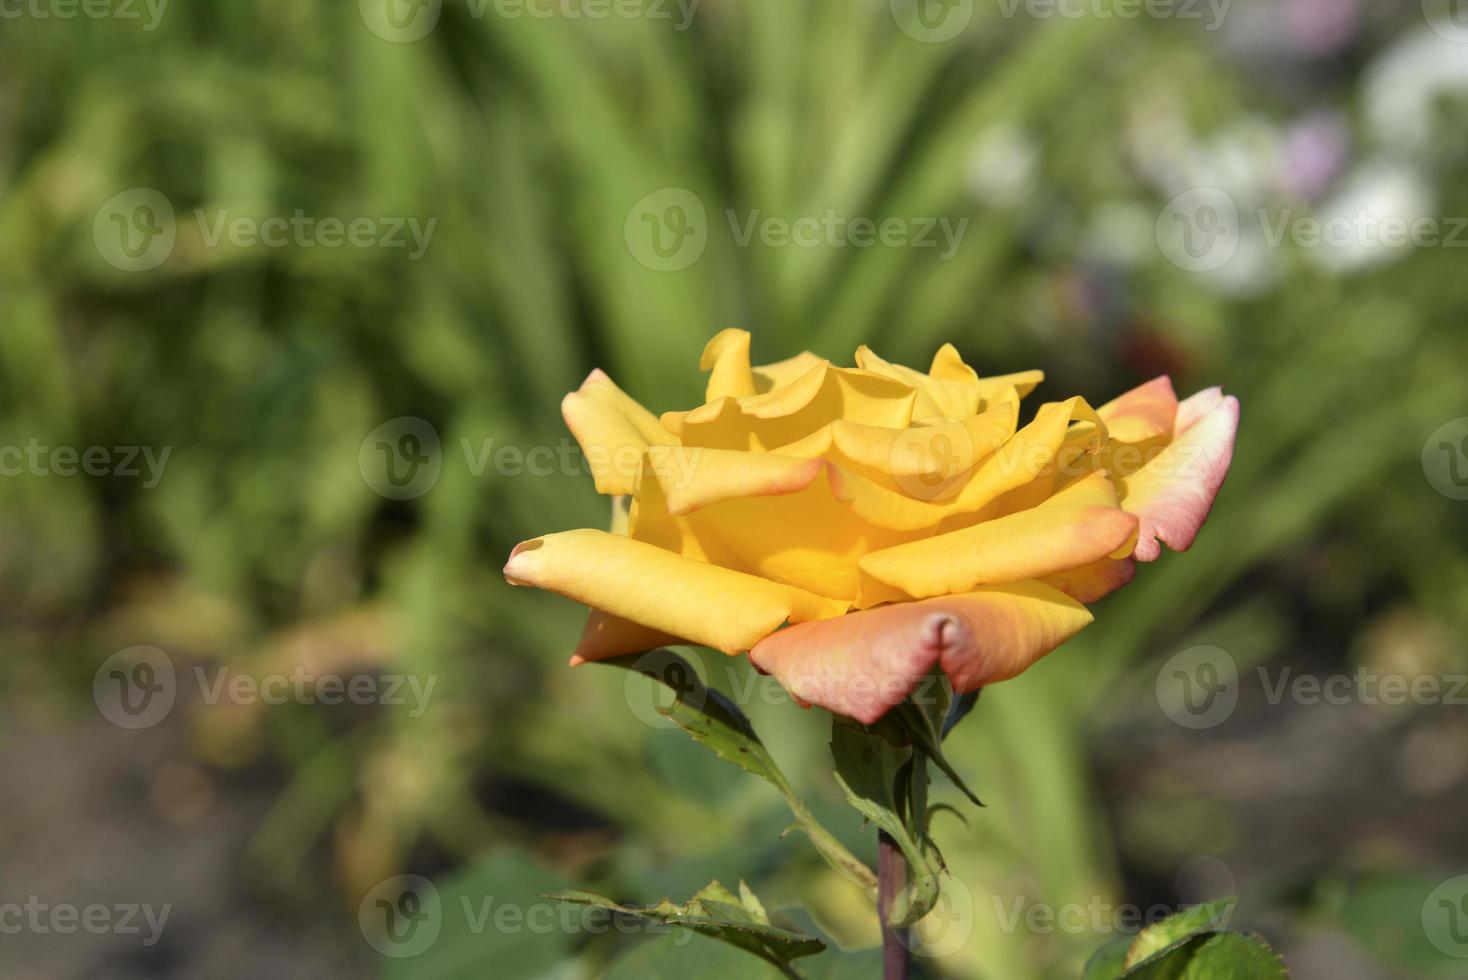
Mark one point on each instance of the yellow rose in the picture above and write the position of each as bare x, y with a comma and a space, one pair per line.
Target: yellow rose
854, 528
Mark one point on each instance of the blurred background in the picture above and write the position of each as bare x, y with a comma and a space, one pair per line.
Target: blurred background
290, 293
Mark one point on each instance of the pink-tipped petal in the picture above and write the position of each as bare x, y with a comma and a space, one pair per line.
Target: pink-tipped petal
863, 664
1173, 493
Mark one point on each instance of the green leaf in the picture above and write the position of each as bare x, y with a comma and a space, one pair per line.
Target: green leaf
1216, 956
1108, 962
1177, 929
719, 914
871, 771
1190, 945
716, 722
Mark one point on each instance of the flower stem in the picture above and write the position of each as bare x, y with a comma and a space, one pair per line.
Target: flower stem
891, 880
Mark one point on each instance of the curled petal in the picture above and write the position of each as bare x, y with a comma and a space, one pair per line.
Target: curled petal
727, 357
863, 664
636, 581
613, 431
793, 411
1174, 491
951, 398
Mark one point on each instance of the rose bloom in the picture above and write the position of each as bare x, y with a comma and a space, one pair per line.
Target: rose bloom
855, 528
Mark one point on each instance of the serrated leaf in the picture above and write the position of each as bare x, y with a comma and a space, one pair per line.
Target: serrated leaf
920, 728
717, 913
716, 722
706, 714
752, 904
1214, 956
1177, 929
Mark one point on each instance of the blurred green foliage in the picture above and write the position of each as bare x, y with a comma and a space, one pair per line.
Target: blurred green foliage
529, 140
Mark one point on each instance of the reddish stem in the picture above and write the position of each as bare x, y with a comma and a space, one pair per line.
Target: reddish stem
891, 880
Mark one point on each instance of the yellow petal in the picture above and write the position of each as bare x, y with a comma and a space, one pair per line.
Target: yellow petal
793, 411
727, 357
613, 431
606, 636
863, 664
927, 462
1032, 453
768, 377
1095, 581
1023, 382
803, 522
936, 397
1075, 527
949, 365
661, 591
1145, 412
